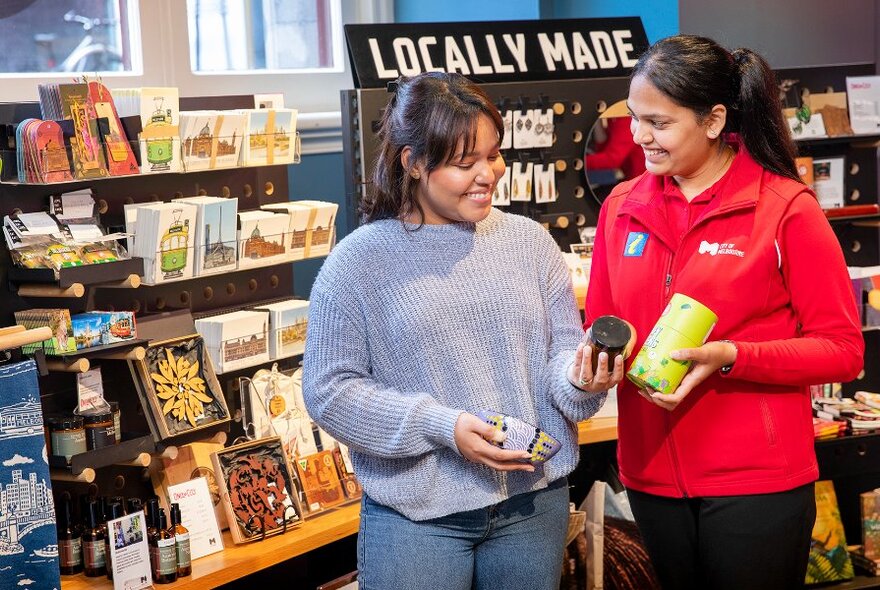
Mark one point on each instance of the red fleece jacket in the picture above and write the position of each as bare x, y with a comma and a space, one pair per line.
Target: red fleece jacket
765, 259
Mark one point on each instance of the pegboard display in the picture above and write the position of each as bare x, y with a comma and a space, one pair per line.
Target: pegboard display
576, 105
253, 186
859, 237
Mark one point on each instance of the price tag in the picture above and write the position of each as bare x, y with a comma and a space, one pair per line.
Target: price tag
90, 390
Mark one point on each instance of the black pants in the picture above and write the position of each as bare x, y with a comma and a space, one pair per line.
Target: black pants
759, 542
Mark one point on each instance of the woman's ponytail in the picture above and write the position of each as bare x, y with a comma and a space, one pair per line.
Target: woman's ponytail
758, 116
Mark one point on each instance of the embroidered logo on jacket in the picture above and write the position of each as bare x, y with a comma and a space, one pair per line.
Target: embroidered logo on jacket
714, 249
635, 243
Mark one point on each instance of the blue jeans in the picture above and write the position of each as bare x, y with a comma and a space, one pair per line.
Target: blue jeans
514, 544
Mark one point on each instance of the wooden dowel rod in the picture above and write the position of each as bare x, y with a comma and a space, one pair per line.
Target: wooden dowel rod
131, 282
170, 453
12, 330
76, 290
136, 353
80, 365
87, 475
219, 438
142, 460
20, 338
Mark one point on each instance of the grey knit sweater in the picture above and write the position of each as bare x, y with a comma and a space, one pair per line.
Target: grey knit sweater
408, 329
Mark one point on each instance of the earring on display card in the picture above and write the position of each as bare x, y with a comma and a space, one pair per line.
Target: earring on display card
803, 115
528, 188
515, 188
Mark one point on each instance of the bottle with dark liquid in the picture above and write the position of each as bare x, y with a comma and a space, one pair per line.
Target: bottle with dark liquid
134, 505
93, 543
69, 540
181, 542
163, 553
115, 511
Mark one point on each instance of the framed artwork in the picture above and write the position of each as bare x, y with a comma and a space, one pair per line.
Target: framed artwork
179, 388
258, 489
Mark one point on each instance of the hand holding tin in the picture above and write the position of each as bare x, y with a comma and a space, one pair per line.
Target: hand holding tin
473, 436
705, 360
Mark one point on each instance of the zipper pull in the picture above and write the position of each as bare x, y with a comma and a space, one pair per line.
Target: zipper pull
668, 280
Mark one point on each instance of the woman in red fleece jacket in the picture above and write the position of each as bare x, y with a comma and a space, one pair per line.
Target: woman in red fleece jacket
720, 473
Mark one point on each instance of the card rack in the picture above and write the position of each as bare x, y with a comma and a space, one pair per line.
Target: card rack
254, 186
576, 104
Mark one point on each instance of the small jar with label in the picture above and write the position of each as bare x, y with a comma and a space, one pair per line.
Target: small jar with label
100, 429
611, 335
67, 436
117, 420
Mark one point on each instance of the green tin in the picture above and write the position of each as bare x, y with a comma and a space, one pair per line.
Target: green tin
685, 323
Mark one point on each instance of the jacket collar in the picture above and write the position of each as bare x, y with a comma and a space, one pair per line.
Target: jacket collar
740, 191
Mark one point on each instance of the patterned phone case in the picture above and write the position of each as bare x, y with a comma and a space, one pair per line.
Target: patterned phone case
522, 436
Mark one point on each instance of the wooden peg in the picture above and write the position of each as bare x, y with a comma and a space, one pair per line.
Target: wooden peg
11, 330
74, 291
130, 282
170, 452
80, 365
142, 460
136, 353
87, 475
16, 337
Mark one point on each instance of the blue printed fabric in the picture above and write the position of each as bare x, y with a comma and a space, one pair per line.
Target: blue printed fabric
28, 539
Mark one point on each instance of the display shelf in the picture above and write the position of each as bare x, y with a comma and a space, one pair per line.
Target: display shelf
104, 351
297, 158
857, 583
848, 455
122, 453
597, 430
86, 275
861, 219
238, 561
232, 271
867, 137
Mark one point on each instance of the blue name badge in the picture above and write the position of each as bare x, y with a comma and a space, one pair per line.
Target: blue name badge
635, 243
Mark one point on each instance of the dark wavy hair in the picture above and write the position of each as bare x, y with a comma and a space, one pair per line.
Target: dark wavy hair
432, 114
697, 73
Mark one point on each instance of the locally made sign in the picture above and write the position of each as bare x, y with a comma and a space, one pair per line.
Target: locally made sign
503, 51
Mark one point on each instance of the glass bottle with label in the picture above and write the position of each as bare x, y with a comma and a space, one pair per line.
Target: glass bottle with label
93, 543
134, 505
181, 542
163, 553
115, 510
151, 514
69, 540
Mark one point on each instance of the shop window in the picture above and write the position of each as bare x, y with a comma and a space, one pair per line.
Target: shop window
264, 35
46, 36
